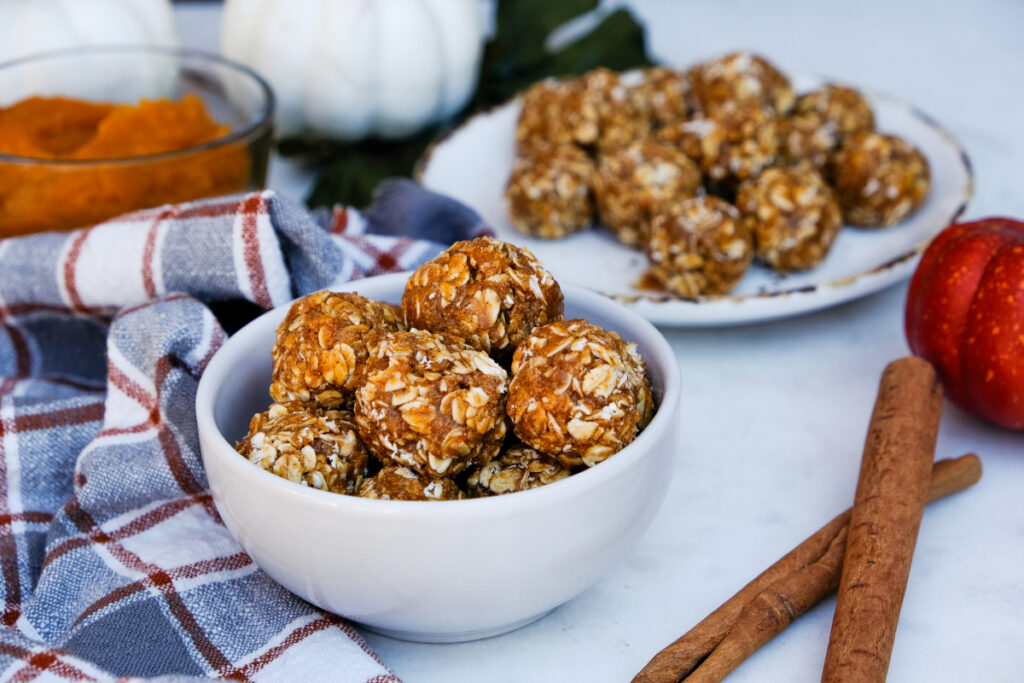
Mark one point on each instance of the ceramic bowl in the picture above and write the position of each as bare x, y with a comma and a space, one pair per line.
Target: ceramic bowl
72, 167
439, 571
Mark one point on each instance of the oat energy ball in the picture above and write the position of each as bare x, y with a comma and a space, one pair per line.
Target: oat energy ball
517, 469
308, 445
548, 192
636, 182
879, 179
578, 392
431, 403
621, 116
488, 292
700, 248
560, 112
842, 109
664, 94
729, 145
401, 483
738, 79
793, 216
805, 137
322, 343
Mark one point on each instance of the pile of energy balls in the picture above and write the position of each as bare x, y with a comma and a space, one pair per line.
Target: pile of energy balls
475, 386
708, 169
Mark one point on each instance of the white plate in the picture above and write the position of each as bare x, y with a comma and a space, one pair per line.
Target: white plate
472, 164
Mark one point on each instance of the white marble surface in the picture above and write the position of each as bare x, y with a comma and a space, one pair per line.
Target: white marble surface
775, 414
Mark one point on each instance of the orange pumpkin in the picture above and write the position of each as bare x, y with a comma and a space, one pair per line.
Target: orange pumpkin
965, 314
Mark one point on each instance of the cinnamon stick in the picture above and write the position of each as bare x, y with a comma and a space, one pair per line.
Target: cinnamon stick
769, 603
884, 520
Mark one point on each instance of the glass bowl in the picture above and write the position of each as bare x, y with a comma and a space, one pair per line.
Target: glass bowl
72, 155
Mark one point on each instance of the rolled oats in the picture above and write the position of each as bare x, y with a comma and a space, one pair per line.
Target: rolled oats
548, 193
793, 216
578, 392
639, 181
487, 292
322, 344
700, 248
308, 445
430, 403
879, 179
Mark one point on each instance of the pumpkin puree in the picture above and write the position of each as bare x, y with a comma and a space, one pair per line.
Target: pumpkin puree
36, 197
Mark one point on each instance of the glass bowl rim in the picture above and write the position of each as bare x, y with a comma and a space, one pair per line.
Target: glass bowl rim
263, 118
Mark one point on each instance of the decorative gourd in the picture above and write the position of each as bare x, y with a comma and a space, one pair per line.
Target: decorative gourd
31, 26
353, 68
965, 314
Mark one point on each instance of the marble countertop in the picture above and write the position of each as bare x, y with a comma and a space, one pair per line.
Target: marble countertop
774, 414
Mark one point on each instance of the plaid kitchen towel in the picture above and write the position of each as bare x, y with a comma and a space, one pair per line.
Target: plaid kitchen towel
113, 560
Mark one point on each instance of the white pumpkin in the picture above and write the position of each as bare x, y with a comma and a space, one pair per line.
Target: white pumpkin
353, 68
31, 26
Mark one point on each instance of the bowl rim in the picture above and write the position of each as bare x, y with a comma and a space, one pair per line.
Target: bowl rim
262, 119
567, 488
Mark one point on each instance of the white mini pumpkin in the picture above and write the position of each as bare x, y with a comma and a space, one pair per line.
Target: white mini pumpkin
353, 68
31, 26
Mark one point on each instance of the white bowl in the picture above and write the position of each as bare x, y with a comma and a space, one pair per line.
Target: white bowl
439, 571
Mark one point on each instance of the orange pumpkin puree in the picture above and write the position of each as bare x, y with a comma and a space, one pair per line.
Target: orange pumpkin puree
54, 196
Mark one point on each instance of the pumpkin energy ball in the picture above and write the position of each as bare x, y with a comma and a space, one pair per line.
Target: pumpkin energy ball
621, 117
879, 179
430, 403
517, 469
578, 392
308, 445
739, 79
700, 248
488, 292
559, 112
664, 94
729, 146
793, 216
636, 182
843, 109
323, 342
805, 137
401, 483
548, 192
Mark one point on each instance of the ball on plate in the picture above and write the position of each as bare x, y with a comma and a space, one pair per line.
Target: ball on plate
880, 179
638, 181
699, 248
578, 392
664, 94
739, 79
322, 343
793, 216
548, 193
487, 292
843, 110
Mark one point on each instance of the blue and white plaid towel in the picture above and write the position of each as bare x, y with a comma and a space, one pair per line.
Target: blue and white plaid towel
113, 560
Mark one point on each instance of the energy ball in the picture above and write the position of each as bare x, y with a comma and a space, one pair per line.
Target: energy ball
560, 112
322, 344
517, 469
548, 193
430, 403
879, 179
739, 79
664, 94
792, 214
622, 117
308, 445
842, 109
401, 483
637, 182
578, 392
805, 138
488, 292
729, 146
700, 248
